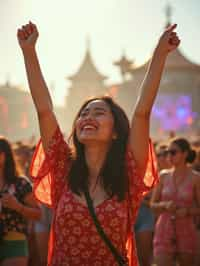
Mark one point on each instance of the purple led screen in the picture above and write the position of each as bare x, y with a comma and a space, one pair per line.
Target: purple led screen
172, 112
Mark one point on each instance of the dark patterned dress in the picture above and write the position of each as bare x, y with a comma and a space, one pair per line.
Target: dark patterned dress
10, 220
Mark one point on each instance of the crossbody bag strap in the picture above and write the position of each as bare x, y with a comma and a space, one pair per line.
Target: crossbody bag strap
121, 261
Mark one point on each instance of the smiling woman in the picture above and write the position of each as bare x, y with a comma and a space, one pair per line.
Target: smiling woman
101, 126
96, 118
107, 160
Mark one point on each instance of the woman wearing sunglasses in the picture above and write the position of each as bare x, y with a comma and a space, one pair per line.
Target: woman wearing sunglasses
177, 199
162, 157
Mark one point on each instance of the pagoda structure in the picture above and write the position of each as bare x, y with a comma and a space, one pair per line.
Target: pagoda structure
179, 91
85, 83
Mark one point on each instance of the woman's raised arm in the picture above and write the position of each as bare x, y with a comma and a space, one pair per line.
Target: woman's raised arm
27, 38
139, 135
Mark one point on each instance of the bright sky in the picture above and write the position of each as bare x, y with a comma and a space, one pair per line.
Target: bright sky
113, 26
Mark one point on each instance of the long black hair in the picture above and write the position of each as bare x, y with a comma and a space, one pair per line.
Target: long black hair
11, 170
112, 175
184, 146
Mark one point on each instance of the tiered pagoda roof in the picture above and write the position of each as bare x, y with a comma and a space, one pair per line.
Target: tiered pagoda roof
87, 70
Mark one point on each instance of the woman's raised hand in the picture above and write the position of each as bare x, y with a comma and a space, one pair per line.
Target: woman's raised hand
27, 35
168, 40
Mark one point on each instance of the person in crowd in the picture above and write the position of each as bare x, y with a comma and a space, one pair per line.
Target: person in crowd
162, 157
144, 228
17, 207
196, 167
41, 235
23, 155
107, 165
177, 200
145, 222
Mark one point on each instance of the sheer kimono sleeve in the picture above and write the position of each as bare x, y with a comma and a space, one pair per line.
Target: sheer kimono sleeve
140, 184
50, 168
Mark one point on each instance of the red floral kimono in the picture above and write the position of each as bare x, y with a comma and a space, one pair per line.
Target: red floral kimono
74, 239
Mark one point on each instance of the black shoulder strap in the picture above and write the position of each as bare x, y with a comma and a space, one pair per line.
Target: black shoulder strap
101, 232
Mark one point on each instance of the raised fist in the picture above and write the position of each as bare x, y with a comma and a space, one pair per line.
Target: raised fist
27, 35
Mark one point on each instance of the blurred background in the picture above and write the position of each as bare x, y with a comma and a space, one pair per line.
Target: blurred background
95, 47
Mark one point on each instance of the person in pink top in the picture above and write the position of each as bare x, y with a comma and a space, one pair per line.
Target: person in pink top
107, 159
177, 199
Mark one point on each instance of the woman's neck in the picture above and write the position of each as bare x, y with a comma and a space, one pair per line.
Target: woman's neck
95, 157
180, 169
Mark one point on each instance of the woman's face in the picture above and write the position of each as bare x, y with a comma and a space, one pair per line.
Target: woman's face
163, 159
95, 123
176, 155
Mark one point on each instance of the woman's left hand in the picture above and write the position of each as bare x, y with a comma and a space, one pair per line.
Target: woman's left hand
169, 40
10, 201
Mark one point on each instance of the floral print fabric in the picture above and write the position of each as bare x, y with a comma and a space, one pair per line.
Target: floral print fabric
11, 220
74, 239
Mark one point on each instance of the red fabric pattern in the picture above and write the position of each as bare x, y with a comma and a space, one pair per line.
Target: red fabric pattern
74, 239
45, 166
140, 185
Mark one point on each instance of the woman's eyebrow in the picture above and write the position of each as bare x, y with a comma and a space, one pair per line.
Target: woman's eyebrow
96, 109
100, 109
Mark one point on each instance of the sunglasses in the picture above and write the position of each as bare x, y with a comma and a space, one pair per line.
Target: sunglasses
162, 153
173, 152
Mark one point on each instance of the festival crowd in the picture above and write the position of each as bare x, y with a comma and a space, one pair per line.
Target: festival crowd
145, 226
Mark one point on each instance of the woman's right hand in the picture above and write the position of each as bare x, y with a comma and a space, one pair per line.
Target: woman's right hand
27, 36
170, 206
